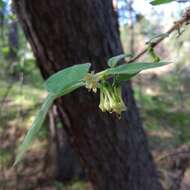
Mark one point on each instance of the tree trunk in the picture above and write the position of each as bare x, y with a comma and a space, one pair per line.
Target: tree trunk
64, 161
13, 39
113, 152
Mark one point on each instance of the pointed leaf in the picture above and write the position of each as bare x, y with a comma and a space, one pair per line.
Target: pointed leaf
159, 2
70, 89
36, 126
125, 77
134, 68
39, 119
112, 62
61, 80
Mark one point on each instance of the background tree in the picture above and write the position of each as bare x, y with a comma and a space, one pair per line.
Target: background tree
114, 153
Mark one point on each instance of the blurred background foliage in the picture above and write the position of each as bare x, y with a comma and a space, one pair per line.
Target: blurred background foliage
163, 95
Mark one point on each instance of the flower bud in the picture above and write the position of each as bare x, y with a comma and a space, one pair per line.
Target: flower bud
91, 82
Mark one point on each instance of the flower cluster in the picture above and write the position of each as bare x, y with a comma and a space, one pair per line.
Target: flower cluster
91, 81
111, 99
110, 94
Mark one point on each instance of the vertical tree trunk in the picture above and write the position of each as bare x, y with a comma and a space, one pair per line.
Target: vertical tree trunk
113, 152
13, 39
131, 25
64, 161
68, 166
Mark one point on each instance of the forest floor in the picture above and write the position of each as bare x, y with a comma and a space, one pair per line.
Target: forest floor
163, 101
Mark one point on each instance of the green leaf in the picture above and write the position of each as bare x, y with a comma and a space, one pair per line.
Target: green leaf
39, 119
70, 89
70, 76
36, 126
112, 62
133, 68
159, 2
125, 77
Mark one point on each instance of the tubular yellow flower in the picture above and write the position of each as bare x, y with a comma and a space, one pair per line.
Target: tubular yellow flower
102, 100
111, 99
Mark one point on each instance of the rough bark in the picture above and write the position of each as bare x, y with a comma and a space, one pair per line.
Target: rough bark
64, 161
114, 153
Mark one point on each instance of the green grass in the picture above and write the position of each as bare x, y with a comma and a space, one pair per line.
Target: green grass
166, 111
16, 113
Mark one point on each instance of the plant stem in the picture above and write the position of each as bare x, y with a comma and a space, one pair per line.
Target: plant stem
177, 25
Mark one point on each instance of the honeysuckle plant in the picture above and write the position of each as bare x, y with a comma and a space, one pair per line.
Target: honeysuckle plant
106, 83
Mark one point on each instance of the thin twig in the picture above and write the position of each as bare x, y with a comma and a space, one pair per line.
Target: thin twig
177, 25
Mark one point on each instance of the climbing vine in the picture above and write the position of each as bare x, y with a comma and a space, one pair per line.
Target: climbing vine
106, 83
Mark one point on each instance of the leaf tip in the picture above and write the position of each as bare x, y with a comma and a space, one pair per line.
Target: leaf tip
18, 159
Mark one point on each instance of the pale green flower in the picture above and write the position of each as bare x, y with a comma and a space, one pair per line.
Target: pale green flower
111, 99
91, 81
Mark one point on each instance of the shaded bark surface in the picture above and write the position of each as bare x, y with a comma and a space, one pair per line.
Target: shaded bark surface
64, 161
114, 153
